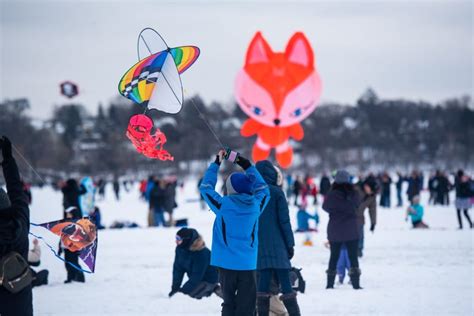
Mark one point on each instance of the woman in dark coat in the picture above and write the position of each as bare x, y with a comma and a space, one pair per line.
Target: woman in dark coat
193, 258
341, 203
276, 244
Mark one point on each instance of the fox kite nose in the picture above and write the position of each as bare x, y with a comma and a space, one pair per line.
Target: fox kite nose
276, 121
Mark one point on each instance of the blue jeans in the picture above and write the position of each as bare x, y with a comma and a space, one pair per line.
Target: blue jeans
343, 263
266, 276
159, 216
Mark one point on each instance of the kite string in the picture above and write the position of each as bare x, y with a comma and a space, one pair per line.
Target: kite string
28, 164
55, 253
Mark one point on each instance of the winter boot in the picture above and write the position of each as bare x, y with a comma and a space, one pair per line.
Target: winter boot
263, 304
331, 278
354, 274
291, 304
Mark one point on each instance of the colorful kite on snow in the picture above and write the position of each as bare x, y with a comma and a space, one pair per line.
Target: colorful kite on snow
76, 235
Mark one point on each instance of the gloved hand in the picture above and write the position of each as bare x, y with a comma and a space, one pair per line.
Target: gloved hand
220, 157
372, 227
173, 292
244, 163
291, 252
6, 147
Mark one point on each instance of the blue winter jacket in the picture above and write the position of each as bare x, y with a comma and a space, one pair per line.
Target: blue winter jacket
235, 231
275, 235
418, 216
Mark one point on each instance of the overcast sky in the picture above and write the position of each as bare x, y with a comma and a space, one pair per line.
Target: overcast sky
411, 49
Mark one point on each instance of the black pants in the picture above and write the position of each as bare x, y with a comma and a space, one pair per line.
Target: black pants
72, 273
352, 247
239, 289
19, 304
466, 214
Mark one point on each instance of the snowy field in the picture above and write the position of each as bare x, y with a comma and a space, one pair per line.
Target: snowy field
404, 272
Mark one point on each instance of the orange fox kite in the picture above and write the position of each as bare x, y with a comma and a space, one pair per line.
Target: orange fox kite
277, 91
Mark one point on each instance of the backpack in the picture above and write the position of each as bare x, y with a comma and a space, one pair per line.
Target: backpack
15, 274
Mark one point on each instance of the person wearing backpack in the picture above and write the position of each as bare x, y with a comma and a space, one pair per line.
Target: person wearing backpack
15, 276
235, 231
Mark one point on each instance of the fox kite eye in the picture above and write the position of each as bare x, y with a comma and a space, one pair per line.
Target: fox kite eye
297, 112
257, 110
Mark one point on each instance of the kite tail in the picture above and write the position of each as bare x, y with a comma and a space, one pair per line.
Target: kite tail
55, 253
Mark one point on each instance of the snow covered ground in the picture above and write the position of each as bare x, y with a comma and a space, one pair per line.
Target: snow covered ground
404, 272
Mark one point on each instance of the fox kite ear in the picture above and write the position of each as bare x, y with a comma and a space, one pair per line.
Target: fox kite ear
259, 51
299, 51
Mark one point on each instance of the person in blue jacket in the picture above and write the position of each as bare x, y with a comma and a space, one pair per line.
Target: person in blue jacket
235, 232
415, 211
192, 258
275, 245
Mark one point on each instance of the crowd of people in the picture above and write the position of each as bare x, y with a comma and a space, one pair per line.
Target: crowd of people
249, 263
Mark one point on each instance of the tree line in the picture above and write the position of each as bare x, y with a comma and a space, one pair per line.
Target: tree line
371, 132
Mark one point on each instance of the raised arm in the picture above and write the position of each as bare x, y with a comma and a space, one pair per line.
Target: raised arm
18, 198
208, 186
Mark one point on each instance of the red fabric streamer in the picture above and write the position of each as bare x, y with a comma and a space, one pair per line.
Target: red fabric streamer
150, 145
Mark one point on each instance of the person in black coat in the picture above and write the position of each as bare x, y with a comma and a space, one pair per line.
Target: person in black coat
415, 185
71, 192
342, 203
14, 228
70, 256
276, 244
464, 194
324, 185
192, 257
158, 201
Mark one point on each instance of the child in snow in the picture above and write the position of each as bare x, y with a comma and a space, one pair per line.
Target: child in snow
193, 257
34, 260
235, 231
303, 217
415, 211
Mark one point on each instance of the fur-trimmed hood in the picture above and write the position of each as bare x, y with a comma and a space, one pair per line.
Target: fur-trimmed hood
198, 244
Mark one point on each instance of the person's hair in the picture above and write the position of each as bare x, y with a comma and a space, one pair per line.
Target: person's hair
345, 188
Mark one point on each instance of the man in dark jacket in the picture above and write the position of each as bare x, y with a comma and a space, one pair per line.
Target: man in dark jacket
193, 258
341, 203
14, 228
276, 245
324, 185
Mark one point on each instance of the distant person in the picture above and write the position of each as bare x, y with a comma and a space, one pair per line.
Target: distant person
14, 228
432, 184
97, 217
71, 193
324, 185
416, 212
367, 195
101, 188
73, 274
275, 245
399, 185
170, 199
386, 182
289, 186
116, 187
157, 203
34, 260
297, 188
342, 203
415, 185
193, 258
235, 232
142, 189
464, 195
302, 219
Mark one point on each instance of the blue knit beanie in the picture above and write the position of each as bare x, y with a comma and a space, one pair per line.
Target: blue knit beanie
238, 183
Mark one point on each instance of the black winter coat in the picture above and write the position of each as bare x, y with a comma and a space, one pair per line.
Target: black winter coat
342, 208
14, 228
194, 261
275, 235
324, 185
158, 197
71, 192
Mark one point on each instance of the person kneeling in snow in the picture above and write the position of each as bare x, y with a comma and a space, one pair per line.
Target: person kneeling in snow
235, 232
415, 211
34, 260
193, 257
